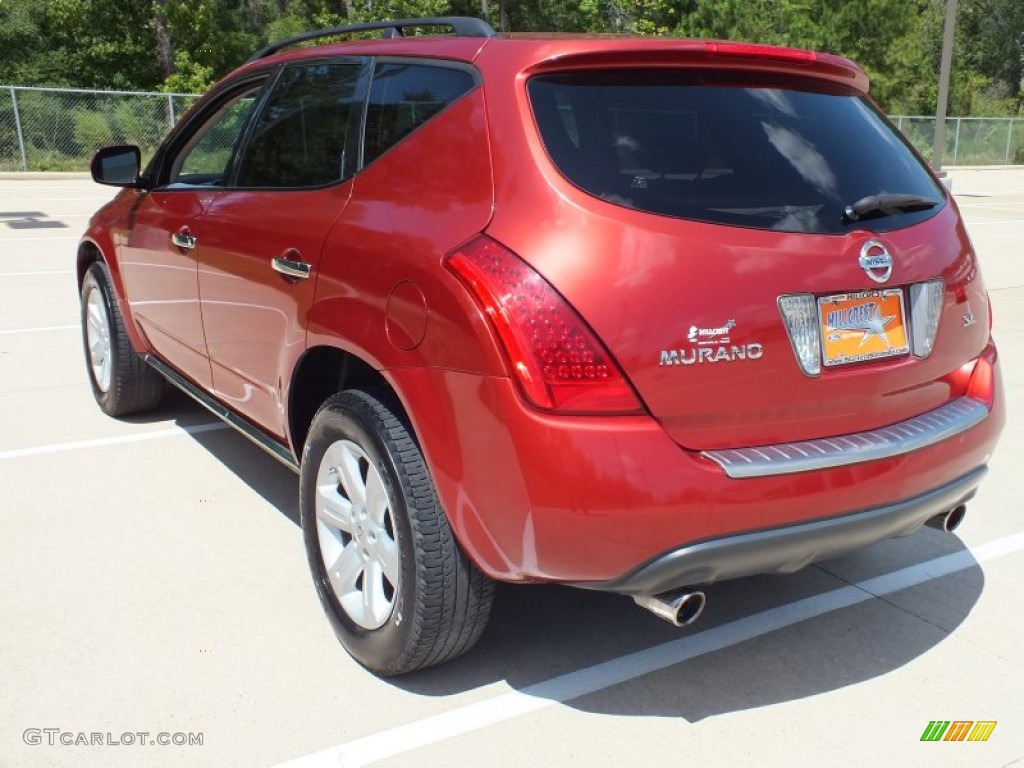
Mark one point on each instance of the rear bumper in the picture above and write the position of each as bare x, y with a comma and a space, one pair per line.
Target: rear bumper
790, 548
595, 500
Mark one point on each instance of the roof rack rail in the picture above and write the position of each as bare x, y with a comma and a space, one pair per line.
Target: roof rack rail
462, 26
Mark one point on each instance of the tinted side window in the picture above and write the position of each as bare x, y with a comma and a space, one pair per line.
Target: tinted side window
207, 154
301, 138
739, 150
405, 96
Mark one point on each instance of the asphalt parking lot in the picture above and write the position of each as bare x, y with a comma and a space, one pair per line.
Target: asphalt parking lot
154, 582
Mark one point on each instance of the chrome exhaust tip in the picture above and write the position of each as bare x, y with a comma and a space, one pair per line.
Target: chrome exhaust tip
948, 521
679, 608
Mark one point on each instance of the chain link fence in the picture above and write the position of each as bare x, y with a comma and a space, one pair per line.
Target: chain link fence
969, 140
57, 129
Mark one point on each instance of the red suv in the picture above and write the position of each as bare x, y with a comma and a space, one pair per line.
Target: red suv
636, 315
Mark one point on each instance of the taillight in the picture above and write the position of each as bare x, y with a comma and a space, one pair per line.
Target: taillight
800, 314
925, 312
555, 358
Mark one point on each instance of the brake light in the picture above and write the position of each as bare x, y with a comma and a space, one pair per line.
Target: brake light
749, 51
557, 361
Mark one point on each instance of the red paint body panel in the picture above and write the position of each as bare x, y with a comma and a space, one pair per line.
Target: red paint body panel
533, 495
643, 285
586, 498
408, 209
107, 229
255, 318
642, 280
161, 281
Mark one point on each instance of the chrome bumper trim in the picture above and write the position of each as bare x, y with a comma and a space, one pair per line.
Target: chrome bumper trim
895, 440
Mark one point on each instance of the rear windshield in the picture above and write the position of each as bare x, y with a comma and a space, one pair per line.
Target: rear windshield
751, 153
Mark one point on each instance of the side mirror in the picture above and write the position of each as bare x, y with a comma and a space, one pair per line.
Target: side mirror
116, 166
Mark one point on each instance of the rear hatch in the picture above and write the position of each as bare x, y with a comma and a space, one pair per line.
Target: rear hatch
704, 208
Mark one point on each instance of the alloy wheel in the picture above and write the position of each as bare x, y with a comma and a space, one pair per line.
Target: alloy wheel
97, 329
357, 534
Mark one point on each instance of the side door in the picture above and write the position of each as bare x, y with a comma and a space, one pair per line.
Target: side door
158, 259
260, 242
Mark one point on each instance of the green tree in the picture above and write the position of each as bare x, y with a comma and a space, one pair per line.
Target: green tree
888, 51
106, 44
21, 38
209, 38
990, 54
185, 45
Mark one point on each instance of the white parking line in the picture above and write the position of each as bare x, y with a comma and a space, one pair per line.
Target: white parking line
41, 329
1004, 209
992, 206
157, 434
99, 197
30, 239
472, 717
979, 222
48, 215
41, 272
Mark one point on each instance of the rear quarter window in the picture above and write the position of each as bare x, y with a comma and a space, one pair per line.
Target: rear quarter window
753, 153
405, 96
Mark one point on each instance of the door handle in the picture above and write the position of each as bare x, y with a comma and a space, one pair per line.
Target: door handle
291, 267
184, 238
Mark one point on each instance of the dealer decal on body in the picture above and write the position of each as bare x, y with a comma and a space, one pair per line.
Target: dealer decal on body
711, 345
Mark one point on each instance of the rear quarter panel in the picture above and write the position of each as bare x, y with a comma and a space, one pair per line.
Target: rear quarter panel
413, 205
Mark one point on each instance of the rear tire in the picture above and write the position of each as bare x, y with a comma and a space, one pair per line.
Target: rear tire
121, 381
397, 588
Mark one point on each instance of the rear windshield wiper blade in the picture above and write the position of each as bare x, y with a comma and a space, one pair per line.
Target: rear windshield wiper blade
876, 206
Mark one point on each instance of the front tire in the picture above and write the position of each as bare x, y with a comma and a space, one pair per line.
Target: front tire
121, 381
398, 590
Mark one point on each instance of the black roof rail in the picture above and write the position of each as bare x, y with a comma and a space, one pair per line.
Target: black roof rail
462, 26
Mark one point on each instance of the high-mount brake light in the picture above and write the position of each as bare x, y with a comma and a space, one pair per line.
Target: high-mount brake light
748, 51
555, 358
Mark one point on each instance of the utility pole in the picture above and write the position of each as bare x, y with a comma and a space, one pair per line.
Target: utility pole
944, 67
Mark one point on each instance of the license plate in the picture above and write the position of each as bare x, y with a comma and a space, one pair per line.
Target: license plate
862, 326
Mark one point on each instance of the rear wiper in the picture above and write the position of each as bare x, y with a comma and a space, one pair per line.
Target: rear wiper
876, 206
